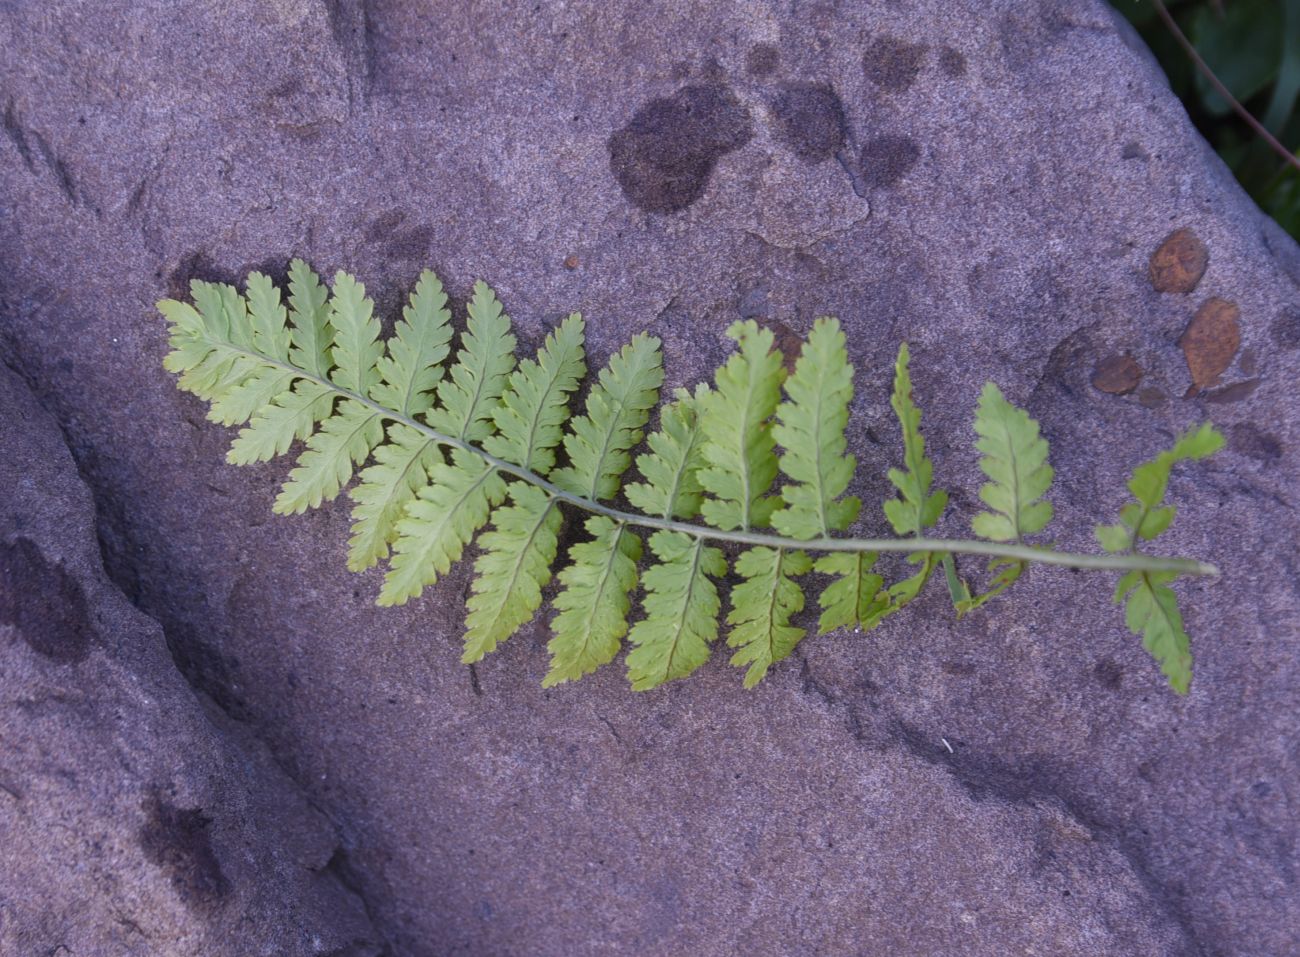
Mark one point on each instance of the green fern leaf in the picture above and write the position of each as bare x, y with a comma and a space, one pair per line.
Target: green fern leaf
225, 312
293, 415
469, 395
401, 468
1005, 574
916, 508
310, 333
515, 565
356, 348
255, 392
672, 487
439, 523
269, 318
1151, 610
530, 419
762, 606
1145, 518
344, 441
209, 363
594, 602
1151, 607
681, 607
738, 443
411, 370
810, 427
617, 408
1015, 460
854, 597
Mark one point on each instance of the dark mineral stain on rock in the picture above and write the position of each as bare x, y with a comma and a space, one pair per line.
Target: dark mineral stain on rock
952, 62
887, 159
1116, 374
43, 603
665, 155
1285, 329
1179, 262
892, 64
1248, 439
809, 119
762, 60
177, 840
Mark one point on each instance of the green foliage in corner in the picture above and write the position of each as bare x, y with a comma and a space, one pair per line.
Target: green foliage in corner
746, 480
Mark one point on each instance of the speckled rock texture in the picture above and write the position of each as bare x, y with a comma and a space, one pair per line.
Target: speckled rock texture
134, 818
988, 180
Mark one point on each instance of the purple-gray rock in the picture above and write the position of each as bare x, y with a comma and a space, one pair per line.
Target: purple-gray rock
1018, 782
134, 817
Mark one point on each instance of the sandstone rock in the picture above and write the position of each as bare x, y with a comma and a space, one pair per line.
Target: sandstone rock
1020, 782
132, 819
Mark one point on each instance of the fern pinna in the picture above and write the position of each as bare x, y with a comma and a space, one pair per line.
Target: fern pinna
750, 473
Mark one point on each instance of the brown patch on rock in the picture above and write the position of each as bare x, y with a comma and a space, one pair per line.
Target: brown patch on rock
762, 60
1210, 341
1116, 374
176, 839
892, 64
572, 262
1249, 439
888, 158
664, 157
1179, 262
1152, 397
788, 342
1235, 392
43, 603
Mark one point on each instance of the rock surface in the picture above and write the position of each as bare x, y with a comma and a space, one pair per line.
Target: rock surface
986, 180
133, 820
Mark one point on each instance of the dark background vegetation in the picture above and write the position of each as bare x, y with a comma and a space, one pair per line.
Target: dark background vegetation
1253, 46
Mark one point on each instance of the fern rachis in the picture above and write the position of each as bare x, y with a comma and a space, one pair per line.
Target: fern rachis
760, 456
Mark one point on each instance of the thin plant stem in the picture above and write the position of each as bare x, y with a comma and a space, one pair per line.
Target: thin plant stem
943, 546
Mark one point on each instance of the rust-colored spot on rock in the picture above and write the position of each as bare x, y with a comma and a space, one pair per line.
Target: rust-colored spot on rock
572, 262
1210, 341
1116, 374
788, 342
1179, 263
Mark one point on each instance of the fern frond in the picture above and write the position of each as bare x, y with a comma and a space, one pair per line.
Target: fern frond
401, 468
1151, 607
810, 428
738, 444
762, 606
1015, 460
535, 407
255, 391
310, 333
681, 607
916, 508
672, 486
1145, 518
269, 318
412, 369
343, 442
282, 372
594, 603
468, 397
854, 597
594, 599
515, 565
1151, 610
617, 409
439, 523
356, 349
292, 415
